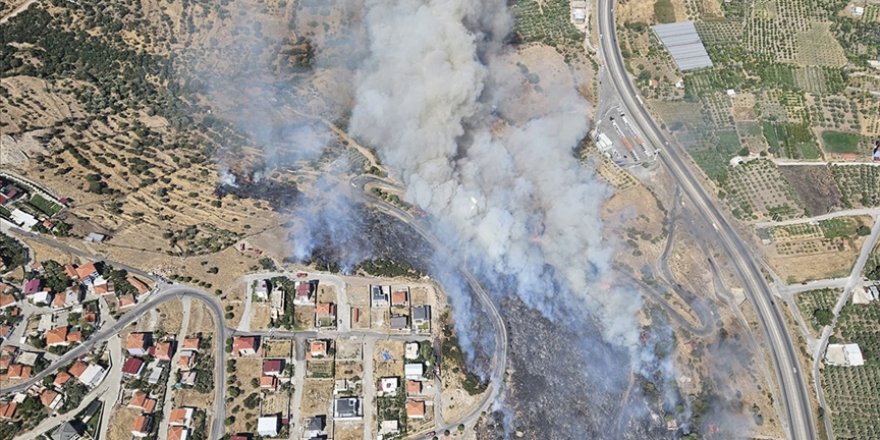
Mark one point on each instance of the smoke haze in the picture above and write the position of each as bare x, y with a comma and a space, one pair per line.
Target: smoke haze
511, 196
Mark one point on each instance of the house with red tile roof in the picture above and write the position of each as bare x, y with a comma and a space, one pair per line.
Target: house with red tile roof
165, 351
140, 400
399, 298
19, 371
7, 410
133, 366
317, 348
415, 409
245, 345
138, 284
61, 378
181, 417
50, 399
70, 271
7, 300
141, 425
178, 433
77, 369
126, 301
86, 271
413, 387
268, 383
273, 367
57, 337
187, 361
191, 344
137, 343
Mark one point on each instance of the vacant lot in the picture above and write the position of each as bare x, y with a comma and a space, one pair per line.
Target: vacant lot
348, 431
317, 396
278, 348
388, 358
120, 423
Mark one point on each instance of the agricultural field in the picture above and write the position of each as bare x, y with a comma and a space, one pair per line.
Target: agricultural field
859, 184
805, 251
853, 393
817, 307
547, 22
839, 142
756, 190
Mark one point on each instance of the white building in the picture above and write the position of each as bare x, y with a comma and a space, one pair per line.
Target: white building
23, 219
388, 386
267, 426
92, 375
413, 371
844, 355
411, 351
866, 295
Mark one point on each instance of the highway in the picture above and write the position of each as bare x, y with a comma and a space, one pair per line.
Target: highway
794, 398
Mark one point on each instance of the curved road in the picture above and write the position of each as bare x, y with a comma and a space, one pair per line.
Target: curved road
163, 295
499, 356
794, 398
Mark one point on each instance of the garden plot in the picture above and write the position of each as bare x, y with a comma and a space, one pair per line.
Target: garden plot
859, 184
819, 80
795, 106
756, 190
815, 186
794, 141
853, 393
817, 307
818, 47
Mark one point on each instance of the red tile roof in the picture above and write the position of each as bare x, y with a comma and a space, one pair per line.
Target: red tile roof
61, 378
398, 298
132, 366
272, 366
77, 369
7, 410
86, 270
415, 408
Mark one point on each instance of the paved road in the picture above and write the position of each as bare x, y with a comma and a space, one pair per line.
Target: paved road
818, 218
852, 283
798, 414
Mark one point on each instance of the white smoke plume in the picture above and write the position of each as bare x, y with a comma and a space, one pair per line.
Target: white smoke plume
434, 98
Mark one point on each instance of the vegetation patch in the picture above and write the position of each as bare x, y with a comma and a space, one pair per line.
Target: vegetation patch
664, 11
840, 142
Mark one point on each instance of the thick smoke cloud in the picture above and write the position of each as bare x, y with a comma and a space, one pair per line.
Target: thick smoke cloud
434, 98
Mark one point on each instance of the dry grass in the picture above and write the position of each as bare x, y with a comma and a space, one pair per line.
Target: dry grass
326, 293
276, 403
246, 369
317, 397
261, 315
304, 317
393, 366
278, 348
349, 370
348, 431
120, 423
190, 397
201, 320
349, 349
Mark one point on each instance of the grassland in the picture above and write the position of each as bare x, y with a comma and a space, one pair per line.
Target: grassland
840, 142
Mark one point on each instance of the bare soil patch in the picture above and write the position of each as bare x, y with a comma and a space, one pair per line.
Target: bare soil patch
815, 186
